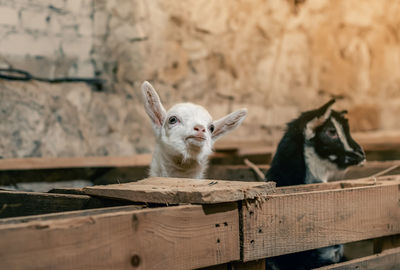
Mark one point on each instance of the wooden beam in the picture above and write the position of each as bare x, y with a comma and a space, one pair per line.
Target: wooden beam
387, 260
74, 162
17, 203
287, 223
108, 175
182, 190
71, 214
181, 237
110, 161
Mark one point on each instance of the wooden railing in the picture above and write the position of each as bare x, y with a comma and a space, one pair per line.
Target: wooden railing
241, 233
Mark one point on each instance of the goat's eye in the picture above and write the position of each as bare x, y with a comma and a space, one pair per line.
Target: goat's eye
331, 133
172, 120
211, 128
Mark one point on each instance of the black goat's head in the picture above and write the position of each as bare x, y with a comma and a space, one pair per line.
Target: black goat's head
328, 132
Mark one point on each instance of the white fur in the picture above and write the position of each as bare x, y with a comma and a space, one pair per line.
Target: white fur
182, 149
342, 137
318, 169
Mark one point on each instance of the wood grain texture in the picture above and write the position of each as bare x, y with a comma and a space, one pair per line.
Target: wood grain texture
181, 190
181, 237
387, 260
288, 223
17, 203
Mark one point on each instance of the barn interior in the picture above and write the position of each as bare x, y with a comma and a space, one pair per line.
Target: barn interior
73, 118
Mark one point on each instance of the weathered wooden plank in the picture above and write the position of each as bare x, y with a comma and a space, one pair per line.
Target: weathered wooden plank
287, 223
96, 169
11, 177
181, 237
142, 160
17, 203
387, 260
74, 162
108, 175
70, 214
44, 186
181, 190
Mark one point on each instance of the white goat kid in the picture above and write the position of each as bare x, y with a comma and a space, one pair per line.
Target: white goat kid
184, 135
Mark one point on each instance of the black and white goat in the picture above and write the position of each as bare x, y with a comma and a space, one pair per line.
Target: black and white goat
315, 147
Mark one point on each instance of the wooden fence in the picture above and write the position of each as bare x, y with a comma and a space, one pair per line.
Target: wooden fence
195, 236
214, 225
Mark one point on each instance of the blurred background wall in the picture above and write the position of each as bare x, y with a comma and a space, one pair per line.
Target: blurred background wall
275, 57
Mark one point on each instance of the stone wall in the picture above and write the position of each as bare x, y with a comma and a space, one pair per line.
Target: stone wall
276, 57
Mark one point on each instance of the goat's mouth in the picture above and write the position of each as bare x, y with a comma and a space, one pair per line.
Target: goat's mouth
355, 158
196, 138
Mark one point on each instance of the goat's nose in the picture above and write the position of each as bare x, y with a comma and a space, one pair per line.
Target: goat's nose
360, 152
199, 128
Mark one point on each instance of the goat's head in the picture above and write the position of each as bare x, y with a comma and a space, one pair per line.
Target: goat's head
187, 129
328, 132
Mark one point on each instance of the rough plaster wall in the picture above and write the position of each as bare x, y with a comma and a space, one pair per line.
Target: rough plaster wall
39, 119
276, 57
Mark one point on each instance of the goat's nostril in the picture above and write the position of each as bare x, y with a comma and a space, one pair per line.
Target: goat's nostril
199, 128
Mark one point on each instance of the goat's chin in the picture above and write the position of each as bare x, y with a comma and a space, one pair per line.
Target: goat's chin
195, 143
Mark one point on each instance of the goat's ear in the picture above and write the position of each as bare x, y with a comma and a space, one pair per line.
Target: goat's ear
228, 123
321, 115
153, 106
